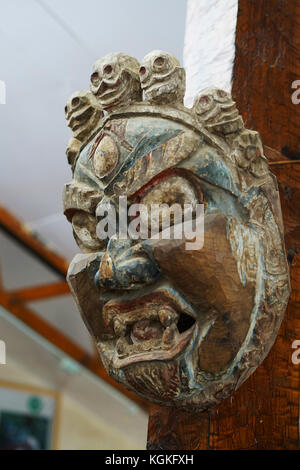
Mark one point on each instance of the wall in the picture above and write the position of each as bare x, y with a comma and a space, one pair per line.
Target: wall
78, 428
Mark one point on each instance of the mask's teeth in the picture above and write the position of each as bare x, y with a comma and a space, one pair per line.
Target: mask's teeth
145, 346
169, 334
134, 339
167, 315
119, 327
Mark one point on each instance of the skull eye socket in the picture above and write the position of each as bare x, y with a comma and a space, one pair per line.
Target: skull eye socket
159, 62
222, 94
75, 102
95, 78
142, 70
205, 103
107, 69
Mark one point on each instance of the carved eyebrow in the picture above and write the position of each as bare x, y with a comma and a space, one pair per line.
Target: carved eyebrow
163, 175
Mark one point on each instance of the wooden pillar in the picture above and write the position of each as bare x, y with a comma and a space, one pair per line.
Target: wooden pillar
264, 412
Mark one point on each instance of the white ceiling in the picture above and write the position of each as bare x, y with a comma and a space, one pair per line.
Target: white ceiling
46, 53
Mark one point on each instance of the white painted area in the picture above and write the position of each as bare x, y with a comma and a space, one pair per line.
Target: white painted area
209, 46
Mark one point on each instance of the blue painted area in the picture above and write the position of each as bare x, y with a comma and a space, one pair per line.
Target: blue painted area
148, 142
207, 163
138, 127
143, 134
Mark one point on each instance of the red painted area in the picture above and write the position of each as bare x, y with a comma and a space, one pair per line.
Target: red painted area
154, 181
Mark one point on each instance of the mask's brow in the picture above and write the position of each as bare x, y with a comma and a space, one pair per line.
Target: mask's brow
154, 181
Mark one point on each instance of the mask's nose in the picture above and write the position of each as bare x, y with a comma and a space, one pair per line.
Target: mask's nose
126, 265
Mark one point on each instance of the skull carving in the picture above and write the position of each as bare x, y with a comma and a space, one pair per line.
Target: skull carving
83, 115
162, 78
179, 327
115, 81
216, 110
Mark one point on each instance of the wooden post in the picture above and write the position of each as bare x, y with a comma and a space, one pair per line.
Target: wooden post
264, 412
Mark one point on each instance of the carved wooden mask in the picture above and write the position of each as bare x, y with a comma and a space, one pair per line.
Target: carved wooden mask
178, 327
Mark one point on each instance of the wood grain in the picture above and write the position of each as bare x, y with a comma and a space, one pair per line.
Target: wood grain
267, 63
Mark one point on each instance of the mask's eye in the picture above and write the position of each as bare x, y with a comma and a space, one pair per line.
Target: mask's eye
95, 79
169, 202
84, 228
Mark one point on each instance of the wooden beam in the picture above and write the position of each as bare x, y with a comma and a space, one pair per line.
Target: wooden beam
61, 341
267, 62
24, 235
46, 291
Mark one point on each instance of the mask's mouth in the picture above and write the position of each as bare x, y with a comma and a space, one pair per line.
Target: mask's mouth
152, 327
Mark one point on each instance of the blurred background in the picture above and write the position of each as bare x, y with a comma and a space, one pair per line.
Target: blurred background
54, 393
